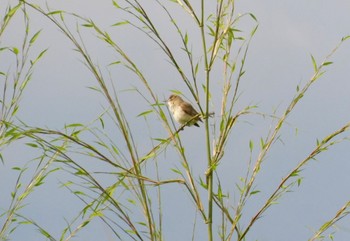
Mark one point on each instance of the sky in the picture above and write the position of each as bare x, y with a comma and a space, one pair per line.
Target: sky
278, 61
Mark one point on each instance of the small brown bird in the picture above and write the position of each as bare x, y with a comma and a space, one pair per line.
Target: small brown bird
183, 111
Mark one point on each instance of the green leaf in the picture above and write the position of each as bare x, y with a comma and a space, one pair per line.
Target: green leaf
202, 183
145, 113
236, 30
345, 38
74, 125
186, 38
314, 63
295, 173
162, 115
55, 12
79, 193
222, 125
142, 223
12, 11
15, 109
25, 82
233, 68
241, 189
251, 145
196, 69
176, 171
85, 223
158, 104
115, 150
230, 37
15, 50
80, 172
115, 4
241, 73
40, 181
94, 88
262, 143
25, 222
114, 63
39, 57
34, 38
240, 38
45, 233
32, 145
160, 139
219, 194
327, 63
212, 32
205, 90
101, 122
130, 231
88, 25
176, 92
252, 15
254, 30
254, 192
120, 23
299, 181
152, 154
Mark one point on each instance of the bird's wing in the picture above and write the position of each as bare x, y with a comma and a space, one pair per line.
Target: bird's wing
188, 109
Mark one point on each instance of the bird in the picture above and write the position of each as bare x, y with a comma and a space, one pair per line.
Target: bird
183, 112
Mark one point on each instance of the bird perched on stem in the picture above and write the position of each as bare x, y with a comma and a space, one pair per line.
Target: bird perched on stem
183, 112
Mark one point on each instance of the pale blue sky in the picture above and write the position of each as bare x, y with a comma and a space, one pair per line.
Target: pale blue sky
278, 60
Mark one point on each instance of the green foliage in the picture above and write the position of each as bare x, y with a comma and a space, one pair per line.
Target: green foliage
131, 205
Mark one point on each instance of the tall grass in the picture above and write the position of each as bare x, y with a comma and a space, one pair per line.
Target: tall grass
17, 65
131, 205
